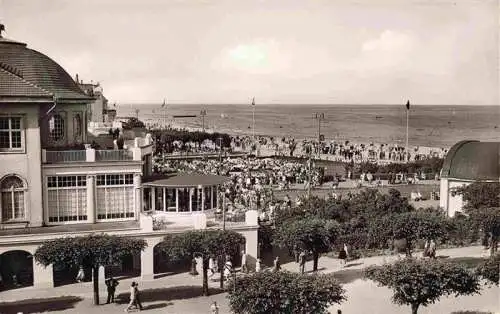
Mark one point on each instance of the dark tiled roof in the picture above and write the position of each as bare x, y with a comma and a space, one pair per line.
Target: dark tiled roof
39, 70
188, 180
15, 86
473, 160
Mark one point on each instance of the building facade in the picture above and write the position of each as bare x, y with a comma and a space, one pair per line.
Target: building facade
465, 163
54, 183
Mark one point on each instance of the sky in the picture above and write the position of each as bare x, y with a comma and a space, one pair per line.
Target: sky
295, 52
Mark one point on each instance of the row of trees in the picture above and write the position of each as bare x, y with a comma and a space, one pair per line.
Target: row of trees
414, 282
371, 218
374, 220
368, 220
164, 138
431, 165
104, 250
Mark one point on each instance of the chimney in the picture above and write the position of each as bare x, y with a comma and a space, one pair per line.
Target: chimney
76, 79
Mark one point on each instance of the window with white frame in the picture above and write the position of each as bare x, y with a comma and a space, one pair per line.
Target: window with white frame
67, 198
13, 189
208, 197
56, 127
77, 125
11, 133
115, 196
171, 199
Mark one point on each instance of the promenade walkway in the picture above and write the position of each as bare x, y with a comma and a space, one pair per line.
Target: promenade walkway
175, 293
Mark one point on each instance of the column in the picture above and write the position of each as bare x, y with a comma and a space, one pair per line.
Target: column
164, 200
137, 192
190, 199
176, 200
91, 215
203, 198
251, 246
147, 259
153, 198
42, 276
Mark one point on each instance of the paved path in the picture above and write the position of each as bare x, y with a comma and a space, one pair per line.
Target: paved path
363, 295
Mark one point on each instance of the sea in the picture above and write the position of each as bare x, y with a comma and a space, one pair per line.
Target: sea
428, 126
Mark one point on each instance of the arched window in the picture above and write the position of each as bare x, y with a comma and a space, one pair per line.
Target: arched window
56, 127
12, 189
77, 124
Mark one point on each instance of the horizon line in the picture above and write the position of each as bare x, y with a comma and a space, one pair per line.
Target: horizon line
290, 104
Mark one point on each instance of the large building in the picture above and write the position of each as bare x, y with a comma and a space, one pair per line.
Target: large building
54, 183
467, 162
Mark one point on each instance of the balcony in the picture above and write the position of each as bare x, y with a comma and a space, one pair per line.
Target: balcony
90, 155
113, 155
136, 149
65, 156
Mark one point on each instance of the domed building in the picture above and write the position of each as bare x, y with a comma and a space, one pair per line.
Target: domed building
467, 162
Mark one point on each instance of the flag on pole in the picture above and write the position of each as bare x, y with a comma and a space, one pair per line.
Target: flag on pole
253, 101
408, 105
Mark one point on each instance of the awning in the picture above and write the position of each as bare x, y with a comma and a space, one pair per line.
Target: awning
188, 180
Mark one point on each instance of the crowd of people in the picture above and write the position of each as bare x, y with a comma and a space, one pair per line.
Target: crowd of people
253, 181
335, 150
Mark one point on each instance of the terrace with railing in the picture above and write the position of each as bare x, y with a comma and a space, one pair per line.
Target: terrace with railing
134, 152
88, 155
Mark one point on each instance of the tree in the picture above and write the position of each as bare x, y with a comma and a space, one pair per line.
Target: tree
423, 282
480, 194
482, 204
309, 233
204, 244
284, 292
413, 226
89, 252
488, 220
490, 270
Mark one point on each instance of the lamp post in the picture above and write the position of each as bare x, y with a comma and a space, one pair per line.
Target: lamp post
320, 116
203, 113
220, 149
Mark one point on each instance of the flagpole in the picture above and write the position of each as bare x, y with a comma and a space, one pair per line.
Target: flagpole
253, 119
407, 119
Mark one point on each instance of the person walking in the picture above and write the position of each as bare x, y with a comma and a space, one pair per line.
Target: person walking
212, 265
432, 249
214, 308
80, 276
258, 266
302, 261
342, 256
277, 264
133, 296
296, 253
111, 284
346, 249
426, 248
138, 297
228, 268
244, 268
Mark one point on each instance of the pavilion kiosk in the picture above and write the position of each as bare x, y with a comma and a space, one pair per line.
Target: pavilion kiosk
182, 195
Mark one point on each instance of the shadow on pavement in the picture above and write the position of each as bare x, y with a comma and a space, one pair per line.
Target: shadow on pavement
167, 294
312, 271
39, 305
157, 305
353, 264
349, 275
